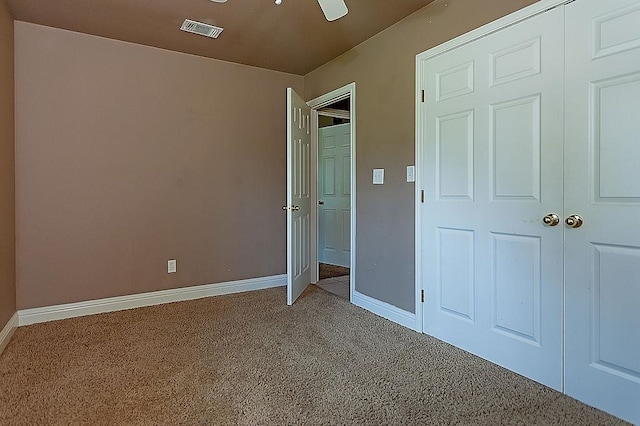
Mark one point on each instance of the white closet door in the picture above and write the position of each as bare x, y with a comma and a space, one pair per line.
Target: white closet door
602, 184
492, 272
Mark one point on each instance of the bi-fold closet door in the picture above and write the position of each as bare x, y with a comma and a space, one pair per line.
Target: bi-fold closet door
530, 165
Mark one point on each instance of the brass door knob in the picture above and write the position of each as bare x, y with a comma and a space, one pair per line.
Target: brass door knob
551, 219
573, 221
295, 208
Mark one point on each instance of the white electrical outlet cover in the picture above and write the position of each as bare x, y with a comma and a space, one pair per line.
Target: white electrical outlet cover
171, 266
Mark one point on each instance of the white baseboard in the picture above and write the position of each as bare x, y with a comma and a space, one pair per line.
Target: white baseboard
7, 332
111, 304
385, 310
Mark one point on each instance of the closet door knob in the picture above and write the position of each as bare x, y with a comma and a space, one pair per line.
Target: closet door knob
551, 219
574, 221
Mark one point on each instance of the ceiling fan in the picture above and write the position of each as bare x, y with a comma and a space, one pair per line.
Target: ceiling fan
332, 9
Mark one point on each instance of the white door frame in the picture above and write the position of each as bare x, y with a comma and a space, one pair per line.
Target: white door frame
348, 91
515, 17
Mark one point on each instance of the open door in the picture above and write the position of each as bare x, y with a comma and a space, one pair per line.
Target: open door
298, 206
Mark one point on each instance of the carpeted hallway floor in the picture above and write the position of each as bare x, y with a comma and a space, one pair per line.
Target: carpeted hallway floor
250, 359
331, 271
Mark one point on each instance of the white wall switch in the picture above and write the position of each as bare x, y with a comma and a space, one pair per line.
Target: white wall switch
378, 176
172, 266
411, 173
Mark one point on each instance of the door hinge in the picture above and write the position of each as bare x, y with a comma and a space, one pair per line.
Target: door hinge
423, 96
422, 295
422, 195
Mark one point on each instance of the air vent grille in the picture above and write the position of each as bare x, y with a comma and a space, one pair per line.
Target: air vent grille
200, 28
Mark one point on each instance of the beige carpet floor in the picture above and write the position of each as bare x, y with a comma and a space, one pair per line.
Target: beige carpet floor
249, 359
330, 271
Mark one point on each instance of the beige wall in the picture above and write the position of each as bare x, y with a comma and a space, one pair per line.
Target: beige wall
127, 156
383, 69
7, 210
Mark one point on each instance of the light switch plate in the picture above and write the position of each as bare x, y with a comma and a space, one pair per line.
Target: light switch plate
411, 173
171, 266
378, 176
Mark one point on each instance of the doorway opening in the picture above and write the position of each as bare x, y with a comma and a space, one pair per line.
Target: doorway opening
333, 168
334, 197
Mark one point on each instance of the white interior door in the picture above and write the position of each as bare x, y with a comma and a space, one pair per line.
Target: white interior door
602, 184
492, 166
334, 194
298, 195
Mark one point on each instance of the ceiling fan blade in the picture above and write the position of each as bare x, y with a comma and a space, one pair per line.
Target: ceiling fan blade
333, 9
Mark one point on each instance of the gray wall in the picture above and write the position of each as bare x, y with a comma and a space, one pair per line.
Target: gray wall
383, 69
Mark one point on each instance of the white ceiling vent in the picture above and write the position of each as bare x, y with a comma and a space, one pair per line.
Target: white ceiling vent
200, 28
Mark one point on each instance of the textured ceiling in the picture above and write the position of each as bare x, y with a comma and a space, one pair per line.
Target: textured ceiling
293, 37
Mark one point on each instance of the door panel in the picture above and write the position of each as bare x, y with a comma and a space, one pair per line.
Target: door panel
334, 190
454, 156
516, 62
515, 149
615, 138
298, 196
493, 159
602, 358
516, 277
456, 272
616, 294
